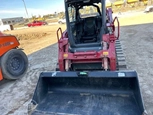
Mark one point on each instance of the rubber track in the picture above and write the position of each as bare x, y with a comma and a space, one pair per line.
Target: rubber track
121, 63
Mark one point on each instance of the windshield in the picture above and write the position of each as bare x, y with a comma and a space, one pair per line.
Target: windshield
83, 11
88, 11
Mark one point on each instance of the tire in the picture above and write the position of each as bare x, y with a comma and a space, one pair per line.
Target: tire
60, 22
14, 64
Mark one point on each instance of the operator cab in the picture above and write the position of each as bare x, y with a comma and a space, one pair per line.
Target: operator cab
85, 24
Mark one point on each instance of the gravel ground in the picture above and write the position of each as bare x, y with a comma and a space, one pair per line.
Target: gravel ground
137, 41
16, 95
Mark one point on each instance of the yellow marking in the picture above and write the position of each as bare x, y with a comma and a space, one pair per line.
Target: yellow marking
65, 55
105, 53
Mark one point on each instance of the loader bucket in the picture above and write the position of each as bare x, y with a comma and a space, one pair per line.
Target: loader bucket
88, 93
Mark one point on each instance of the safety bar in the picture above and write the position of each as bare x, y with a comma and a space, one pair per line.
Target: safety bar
118, 26
59, 29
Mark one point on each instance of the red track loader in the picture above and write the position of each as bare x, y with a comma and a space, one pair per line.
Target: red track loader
91, 76
13, 61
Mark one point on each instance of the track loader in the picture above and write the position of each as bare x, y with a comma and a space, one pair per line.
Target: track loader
91, 76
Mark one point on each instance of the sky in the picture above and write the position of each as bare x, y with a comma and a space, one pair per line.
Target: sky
15, 8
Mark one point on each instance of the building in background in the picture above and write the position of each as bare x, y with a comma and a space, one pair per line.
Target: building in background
10, 21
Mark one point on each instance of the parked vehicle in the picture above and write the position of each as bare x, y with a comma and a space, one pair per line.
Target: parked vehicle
6, 28
37, 23
62, 21
148, 9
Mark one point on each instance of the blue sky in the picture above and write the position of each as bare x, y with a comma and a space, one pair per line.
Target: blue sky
15, 8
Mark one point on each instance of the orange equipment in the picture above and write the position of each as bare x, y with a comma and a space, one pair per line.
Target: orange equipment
14, 62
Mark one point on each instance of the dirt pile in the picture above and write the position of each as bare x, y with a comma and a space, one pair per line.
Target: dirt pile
29, 36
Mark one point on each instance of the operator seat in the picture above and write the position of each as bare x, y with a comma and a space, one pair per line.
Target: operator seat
89, 30
89, 33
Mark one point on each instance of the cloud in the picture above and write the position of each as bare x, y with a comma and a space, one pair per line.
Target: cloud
9, 11
31, 12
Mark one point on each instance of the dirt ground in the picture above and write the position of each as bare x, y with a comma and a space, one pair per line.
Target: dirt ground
39, 43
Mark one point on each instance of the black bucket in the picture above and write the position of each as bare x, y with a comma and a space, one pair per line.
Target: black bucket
88, 93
